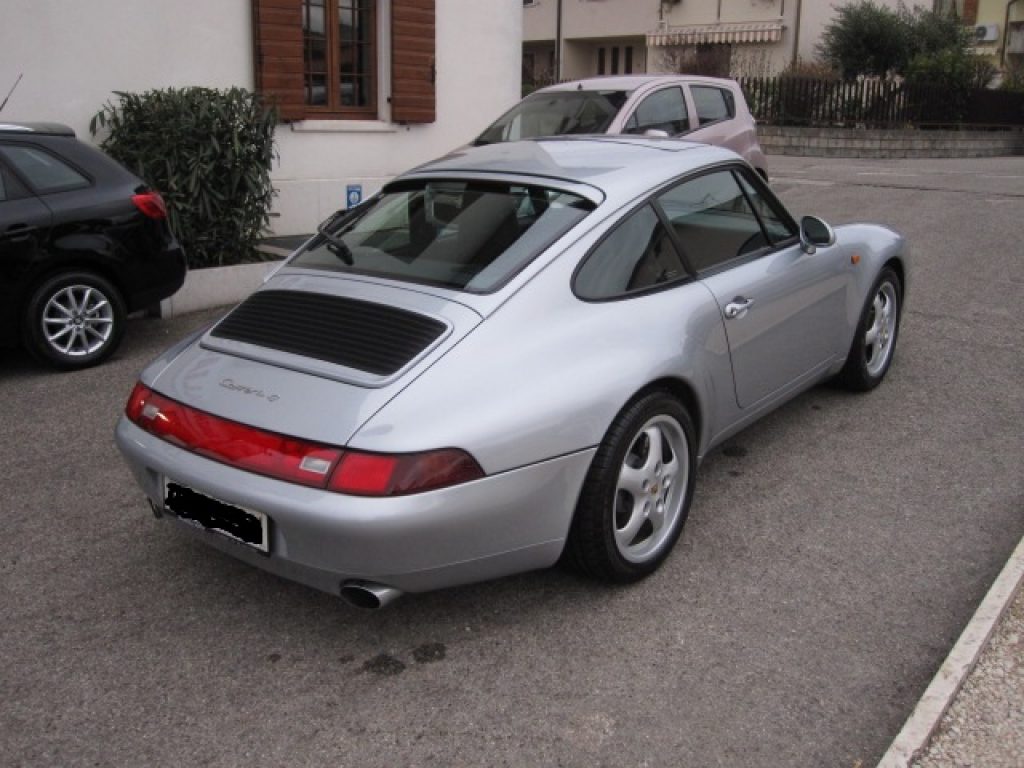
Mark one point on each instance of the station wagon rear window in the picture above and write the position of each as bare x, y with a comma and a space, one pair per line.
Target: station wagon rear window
467, 236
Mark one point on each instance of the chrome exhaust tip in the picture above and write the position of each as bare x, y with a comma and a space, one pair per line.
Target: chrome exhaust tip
367, 595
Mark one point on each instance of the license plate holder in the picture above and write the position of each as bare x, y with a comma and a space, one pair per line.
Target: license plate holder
246, 526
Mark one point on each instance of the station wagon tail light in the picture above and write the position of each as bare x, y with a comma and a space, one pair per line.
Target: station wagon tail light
293, 460
151, 204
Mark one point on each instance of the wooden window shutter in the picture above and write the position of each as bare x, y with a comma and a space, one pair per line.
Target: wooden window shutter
277, 36
412, 61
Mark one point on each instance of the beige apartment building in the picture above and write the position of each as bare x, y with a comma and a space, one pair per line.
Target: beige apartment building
998, 27
569, 39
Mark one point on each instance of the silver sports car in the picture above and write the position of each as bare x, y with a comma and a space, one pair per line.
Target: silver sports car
514, 354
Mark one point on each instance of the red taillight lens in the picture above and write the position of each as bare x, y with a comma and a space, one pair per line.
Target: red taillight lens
369, 474
297, 461
151, 204
265, 453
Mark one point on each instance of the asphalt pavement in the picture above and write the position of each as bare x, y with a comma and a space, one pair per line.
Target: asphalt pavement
834, 553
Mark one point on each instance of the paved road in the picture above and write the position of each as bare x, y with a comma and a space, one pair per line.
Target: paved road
833, 554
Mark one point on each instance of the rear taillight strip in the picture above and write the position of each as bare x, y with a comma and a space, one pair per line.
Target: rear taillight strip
294, 460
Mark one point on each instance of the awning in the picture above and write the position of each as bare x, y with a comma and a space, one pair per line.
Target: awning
727, 32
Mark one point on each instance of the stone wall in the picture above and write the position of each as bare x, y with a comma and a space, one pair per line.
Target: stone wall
860, 142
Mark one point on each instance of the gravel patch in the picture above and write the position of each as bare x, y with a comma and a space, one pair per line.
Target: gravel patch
985, 724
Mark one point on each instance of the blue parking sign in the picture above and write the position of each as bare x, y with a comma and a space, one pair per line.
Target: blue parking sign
354, 195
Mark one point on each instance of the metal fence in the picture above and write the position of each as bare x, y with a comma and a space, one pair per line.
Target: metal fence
877, 104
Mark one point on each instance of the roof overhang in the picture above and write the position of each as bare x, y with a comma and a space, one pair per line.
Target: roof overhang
725, 32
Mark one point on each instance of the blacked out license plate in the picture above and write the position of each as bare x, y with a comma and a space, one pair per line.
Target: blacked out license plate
244, 525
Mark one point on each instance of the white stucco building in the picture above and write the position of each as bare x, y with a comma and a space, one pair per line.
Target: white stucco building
369, 88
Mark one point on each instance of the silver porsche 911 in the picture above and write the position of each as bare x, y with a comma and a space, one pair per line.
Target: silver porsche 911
514, 354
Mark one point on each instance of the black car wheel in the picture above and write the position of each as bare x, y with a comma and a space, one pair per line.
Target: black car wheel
74, 320
637, 492
873, 346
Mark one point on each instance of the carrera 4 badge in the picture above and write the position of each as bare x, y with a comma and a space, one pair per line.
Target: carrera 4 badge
245, 390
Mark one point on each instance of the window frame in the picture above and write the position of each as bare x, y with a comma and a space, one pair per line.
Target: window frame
334, 109
692, 275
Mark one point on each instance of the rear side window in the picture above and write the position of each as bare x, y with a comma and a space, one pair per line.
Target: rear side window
10, 187
712, 104
636, 256
664, 110
467, 236
45, 172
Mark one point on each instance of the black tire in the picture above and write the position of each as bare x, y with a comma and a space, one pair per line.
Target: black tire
605, 510
74, 320
867, 363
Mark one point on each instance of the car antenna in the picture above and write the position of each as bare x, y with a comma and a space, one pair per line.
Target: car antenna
11, 91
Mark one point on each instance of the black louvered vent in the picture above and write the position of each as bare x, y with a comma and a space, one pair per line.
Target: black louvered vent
357, 334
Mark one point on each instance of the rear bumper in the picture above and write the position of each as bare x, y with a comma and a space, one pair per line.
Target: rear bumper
507, 523
164, 275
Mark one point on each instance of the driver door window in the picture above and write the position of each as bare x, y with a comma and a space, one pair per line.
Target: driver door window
663, 110
713, 220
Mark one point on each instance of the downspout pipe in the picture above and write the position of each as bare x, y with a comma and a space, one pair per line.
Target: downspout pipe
558, 42
1006, 33
796, 31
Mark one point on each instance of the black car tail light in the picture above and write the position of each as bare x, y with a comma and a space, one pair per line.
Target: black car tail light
151, 204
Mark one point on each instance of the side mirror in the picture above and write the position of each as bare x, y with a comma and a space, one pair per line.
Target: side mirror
814, 234
656, 133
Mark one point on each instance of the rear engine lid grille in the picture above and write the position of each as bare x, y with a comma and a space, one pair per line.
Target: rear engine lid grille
362, 335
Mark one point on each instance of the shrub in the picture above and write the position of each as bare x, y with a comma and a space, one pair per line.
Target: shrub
1013, 78
209, 154
865, 39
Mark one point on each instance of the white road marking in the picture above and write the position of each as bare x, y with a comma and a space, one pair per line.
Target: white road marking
809, 182
886, 173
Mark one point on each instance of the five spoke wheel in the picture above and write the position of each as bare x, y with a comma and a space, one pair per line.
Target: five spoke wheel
637, 492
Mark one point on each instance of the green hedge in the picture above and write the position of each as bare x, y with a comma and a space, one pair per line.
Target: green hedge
208, 152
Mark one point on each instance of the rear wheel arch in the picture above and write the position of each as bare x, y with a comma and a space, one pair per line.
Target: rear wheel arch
68, 262
682, 391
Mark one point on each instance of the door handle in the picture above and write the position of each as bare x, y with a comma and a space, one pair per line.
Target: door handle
738, 307
17, 232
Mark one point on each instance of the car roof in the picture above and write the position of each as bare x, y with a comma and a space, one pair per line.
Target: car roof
632, 82
40, 129
615, 166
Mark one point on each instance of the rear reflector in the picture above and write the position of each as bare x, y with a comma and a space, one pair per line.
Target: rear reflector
151, 204
297, 461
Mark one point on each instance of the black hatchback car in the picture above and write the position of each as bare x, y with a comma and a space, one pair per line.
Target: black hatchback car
83, 243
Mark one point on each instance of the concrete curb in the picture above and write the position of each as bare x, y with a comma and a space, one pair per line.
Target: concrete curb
911, 741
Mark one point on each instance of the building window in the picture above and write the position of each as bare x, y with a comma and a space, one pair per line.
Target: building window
627, 67
600, 61
321, 59
615, 60
339, 54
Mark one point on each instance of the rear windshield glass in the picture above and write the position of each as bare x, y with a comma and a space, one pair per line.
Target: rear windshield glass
555, 114
463, 235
